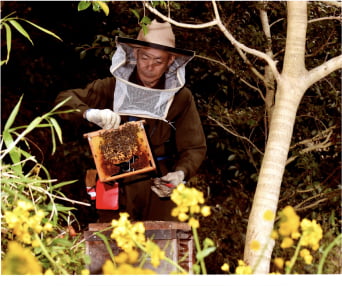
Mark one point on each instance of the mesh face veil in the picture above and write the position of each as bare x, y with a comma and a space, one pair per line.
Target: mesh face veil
141, 101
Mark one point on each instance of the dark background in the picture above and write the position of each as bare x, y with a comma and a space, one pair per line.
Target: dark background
228, 174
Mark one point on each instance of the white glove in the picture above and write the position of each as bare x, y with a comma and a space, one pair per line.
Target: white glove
174, 178
105, 118
163, 186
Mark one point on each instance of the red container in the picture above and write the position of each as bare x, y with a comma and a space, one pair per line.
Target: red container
107, 196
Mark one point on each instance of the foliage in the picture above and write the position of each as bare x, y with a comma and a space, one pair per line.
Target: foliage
96, 5
36, 229
13, 21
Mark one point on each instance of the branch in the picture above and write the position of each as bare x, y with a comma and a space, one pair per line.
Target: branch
238, 45
311, 144
323, 70
325, 18
233, 72
235, 134
334, 3
178, 24
217, 21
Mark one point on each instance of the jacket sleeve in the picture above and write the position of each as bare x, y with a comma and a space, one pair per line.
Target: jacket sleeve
190, 138
98, 94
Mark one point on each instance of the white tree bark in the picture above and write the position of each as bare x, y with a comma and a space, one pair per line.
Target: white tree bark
294, 80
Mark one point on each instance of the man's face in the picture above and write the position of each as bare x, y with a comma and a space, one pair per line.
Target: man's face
151, 64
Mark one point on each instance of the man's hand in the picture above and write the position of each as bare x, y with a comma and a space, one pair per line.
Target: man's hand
163, 186
105, 118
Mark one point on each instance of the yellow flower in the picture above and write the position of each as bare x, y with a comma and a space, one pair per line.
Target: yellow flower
154, 251
205, 211
126, 234
279, 262
35, 243
305, 253
289, 222
20, 261
255, 245
122, 257
49, 272
85, 272
243, 268
312, 233
109, 268
48, 227
274, 234
287, 242
225, 267
193, 223
183, 217
268, 215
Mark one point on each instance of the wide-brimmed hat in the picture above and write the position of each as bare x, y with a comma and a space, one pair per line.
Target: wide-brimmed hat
158, 33
159, 36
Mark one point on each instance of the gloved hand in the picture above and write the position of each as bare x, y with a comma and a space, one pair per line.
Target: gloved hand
105, 118
163, 186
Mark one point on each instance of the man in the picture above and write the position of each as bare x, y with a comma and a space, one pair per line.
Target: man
148, 83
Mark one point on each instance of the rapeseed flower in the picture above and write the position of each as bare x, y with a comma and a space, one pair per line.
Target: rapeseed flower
268, 215
109, 268
25, 222
289, 222
243, 268
20, 261
189, 203
126, 234
255, 245
287, 242
305, 253
312, 233
225, 267
279, 262
155, 252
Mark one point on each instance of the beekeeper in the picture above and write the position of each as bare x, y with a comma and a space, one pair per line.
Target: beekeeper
148, 83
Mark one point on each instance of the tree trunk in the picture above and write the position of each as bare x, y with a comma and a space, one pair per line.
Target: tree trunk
290, 90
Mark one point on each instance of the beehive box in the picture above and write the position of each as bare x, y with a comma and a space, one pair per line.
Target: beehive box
121, 152
175, 238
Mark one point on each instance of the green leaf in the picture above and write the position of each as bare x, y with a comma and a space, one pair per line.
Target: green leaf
42, 29
104, 7
105, 241
20, 29
83, 5
145, 20
62, 184
13, 115
136, 14
205, 252
8, 41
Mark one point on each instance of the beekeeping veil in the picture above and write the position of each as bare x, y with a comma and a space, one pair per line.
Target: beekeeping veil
136, 100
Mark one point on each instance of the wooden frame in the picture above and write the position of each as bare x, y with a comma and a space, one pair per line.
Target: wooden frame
95, 140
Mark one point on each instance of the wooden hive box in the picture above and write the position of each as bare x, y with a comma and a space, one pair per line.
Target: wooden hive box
121, 152
175, 238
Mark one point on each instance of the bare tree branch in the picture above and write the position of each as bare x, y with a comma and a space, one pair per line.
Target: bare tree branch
235, 134
323, 70
217, 21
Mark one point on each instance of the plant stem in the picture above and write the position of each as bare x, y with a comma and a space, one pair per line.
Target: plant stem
294, 257
198, 248
47, 255
326, 252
